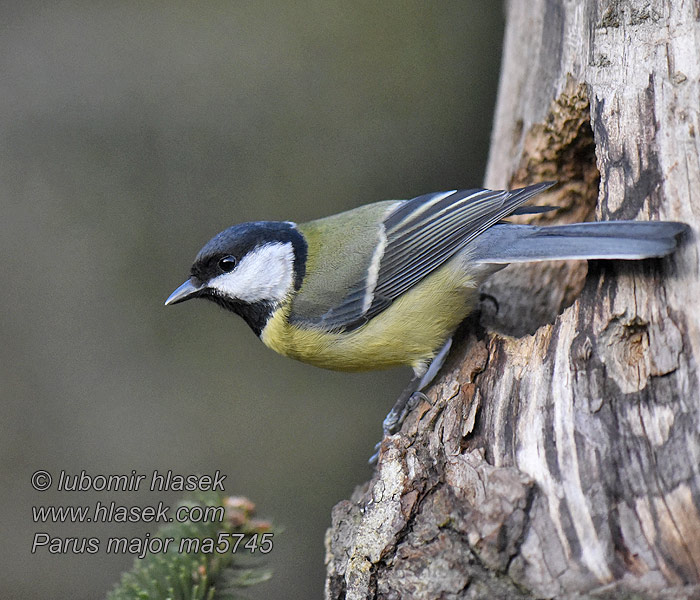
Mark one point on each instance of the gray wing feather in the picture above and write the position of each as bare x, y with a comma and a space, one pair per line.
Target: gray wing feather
625, 240
421, 235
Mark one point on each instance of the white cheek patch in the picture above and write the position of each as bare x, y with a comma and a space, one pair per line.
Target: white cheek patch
263, 275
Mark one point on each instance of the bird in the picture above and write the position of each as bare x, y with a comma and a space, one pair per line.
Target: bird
388, 283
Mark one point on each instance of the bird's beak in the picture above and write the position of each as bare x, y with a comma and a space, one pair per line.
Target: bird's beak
189, 289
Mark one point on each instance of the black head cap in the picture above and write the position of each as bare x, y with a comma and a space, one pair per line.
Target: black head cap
239, 240
225, 250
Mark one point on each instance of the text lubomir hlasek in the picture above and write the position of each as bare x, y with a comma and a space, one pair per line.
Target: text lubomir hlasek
156, 481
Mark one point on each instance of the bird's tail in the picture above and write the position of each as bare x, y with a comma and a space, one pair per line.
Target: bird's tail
627, 240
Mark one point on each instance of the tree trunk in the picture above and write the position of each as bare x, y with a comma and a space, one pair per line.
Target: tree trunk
559, 453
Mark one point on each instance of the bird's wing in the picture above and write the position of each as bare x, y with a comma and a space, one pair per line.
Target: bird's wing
417, 237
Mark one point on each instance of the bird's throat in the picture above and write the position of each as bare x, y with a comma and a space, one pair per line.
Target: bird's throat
256, 314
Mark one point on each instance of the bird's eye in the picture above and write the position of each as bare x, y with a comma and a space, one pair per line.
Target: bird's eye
227, 264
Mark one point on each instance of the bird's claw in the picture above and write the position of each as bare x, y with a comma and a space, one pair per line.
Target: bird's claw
394, 420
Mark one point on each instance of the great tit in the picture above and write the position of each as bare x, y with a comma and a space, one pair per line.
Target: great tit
388, 283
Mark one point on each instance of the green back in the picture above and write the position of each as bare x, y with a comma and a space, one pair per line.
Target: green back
340, 249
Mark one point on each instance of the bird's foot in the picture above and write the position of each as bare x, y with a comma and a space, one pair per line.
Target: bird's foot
410, 397
397, 415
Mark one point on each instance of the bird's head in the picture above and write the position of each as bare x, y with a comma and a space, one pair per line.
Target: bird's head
249, 269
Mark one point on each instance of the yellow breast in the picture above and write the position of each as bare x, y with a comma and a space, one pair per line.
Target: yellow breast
410, 332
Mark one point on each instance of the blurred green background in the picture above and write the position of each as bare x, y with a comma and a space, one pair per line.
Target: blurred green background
130, 133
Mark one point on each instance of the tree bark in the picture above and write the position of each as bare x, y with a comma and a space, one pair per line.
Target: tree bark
558, 455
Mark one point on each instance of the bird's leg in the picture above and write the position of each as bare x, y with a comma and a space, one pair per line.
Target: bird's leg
435, 366
403, 405
409, 398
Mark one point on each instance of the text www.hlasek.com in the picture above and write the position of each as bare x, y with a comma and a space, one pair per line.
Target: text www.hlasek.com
113, 512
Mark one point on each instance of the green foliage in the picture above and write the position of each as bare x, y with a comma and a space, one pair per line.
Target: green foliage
213, 571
